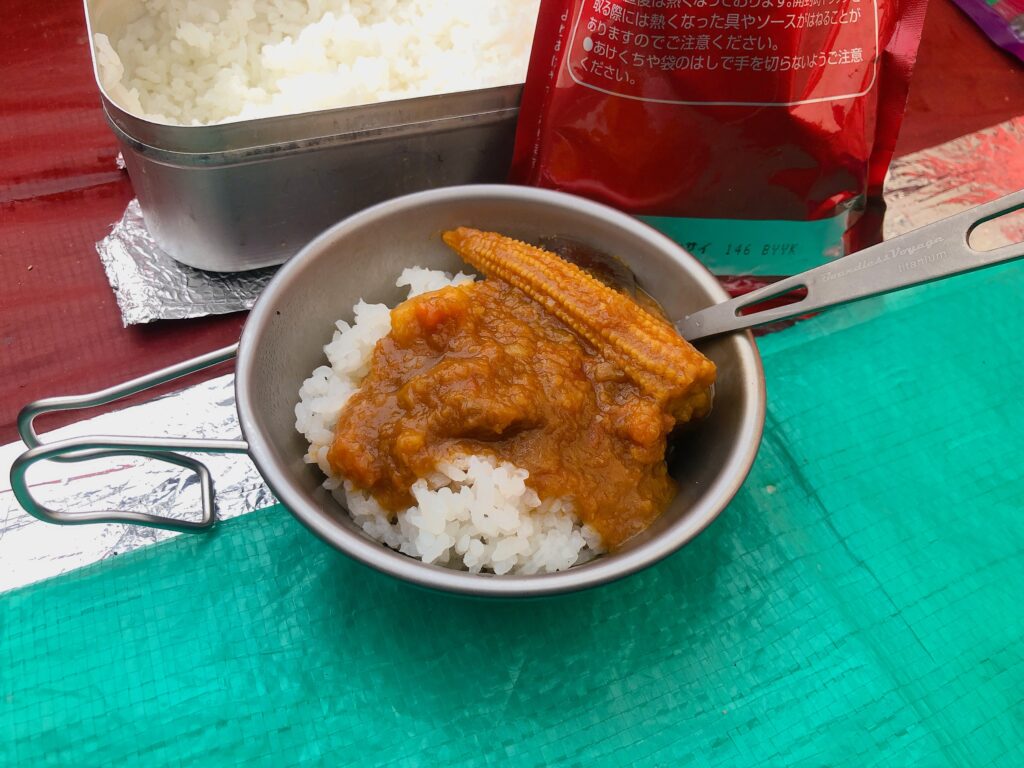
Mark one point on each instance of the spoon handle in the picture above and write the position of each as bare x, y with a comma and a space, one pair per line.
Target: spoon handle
930, 253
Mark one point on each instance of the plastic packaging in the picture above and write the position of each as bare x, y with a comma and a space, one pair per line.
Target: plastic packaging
756, 133
1001, 20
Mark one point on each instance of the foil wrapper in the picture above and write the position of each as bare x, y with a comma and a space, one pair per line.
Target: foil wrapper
921, 188
937, 182
31, 550
149, 285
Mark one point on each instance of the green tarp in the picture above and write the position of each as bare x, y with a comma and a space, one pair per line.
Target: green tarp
859, 603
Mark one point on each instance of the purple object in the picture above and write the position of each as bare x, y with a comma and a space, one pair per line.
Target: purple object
1001, 20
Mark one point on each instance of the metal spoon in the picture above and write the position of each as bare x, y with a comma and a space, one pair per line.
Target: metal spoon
929, 253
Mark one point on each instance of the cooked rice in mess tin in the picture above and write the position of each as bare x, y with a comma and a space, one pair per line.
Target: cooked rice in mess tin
185, 62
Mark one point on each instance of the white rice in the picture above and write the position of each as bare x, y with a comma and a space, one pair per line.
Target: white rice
474, 513
197, 62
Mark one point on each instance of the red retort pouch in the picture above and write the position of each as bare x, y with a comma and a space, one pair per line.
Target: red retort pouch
756, 133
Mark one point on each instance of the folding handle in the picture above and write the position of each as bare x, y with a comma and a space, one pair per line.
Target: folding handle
929, 253
95, 447
30, 412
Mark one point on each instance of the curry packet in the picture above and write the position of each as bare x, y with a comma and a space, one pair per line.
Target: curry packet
756, 133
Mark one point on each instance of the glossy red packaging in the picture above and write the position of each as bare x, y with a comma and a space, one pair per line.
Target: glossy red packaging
756, 133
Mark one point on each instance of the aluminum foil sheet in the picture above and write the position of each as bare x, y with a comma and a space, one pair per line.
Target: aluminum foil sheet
921, 188
31, 550
149, 285
937, 182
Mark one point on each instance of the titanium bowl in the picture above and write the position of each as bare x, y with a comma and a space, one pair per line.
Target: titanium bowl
361, 257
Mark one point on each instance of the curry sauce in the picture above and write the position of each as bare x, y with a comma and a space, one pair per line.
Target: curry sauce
497, 368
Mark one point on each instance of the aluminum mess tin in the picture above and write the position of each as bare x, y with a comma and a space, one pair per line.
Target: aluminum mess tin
249, 194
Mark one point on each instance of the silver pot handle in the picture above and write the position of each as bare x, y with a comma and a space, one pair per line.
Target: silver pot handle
102, 446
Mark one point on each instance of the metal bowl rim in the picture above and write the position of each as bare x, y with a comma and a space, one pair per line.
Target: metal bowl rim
602, 571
